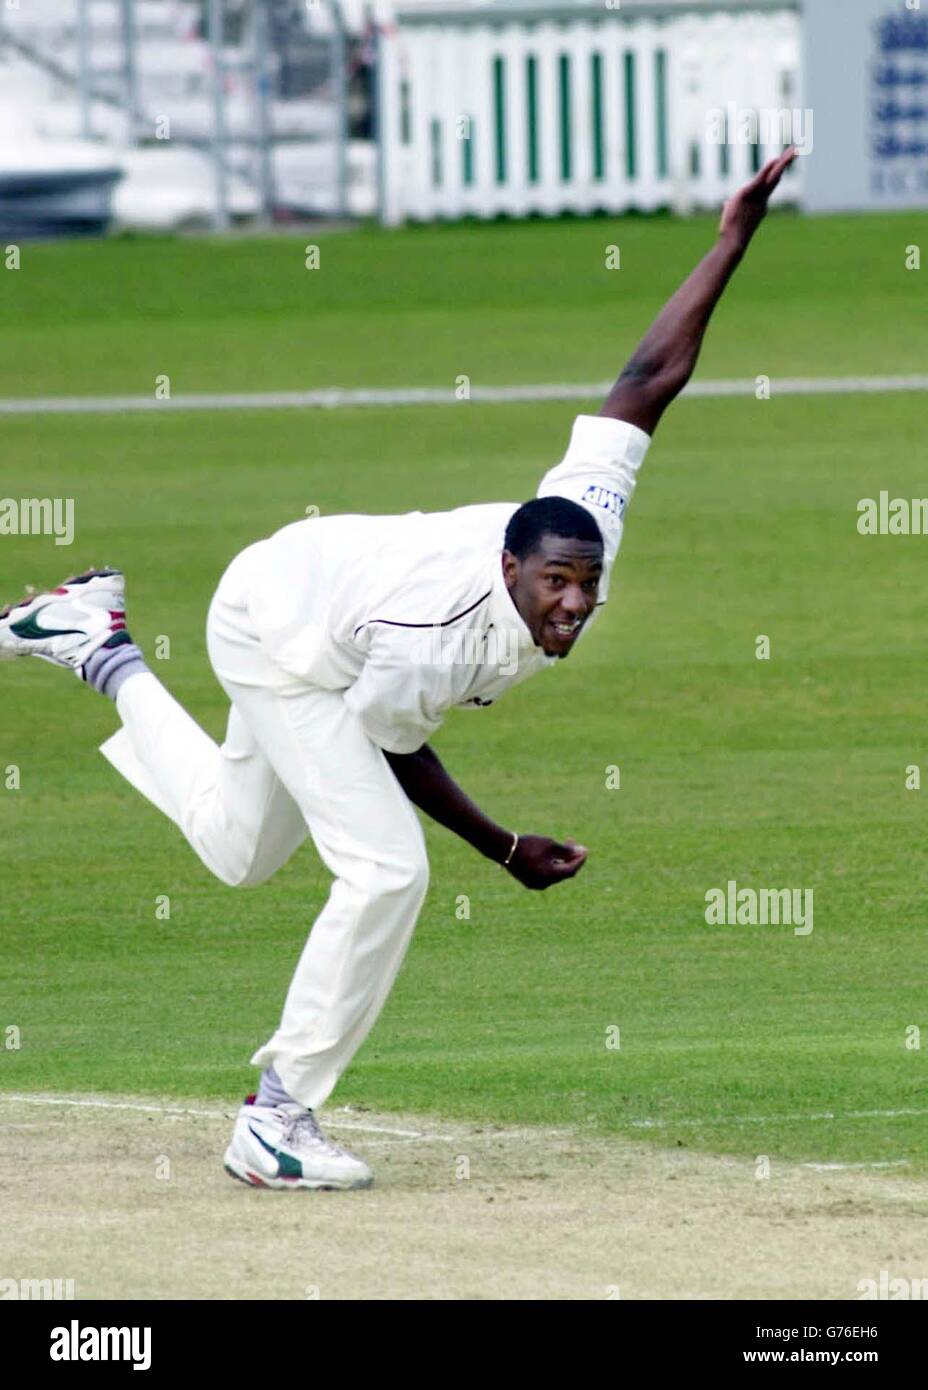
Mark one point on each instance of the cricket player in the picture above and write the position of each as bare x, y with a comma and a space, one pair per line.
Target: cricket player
342, 642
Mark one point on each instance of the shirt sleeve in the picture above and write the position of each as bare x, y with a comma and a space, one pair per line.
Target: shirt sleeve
401, 695
599, 471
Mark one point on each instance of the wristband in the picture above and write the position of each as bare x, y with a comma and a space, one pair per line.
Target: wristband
515, 841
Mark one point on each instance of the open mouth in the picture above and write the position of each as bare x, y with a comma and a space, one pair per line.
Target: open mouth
565, 630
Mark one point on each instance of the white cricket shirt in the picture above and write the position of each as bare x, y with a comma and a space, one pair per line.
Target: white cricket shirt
409, 615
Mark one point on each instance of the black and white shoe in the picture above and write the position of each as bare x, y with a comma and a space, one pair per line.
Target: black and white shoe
282, 1146
66, 625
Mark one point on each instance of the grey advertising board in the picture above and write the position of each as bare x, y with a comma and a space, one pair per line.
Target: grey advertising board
866, 83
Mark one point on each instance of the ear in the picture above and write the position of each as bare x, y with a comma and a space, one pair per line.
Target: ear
511, 567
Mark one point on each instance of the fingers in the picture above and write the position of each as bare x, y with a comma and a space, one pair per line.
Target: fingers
771, 173
568, 853
561, 875
759, 189
755, 183
570, 860
762, 177
553, 862
774, 169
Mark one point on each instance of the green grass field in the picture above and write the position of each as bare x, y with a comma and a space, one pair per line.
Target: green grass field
781, 773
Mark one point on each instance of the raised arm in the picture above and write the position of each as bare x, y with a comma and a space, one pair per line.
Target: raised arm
664, 360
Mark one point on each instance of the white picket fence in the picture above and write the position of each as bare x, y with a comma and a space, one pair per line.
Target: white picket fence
517, 111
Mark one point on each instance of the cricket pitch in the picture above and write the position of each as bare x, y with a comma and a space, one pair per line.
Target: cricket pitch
134, 1203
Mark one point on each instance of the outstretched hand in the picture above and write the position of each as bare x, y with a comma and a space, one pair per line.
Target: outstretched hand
538, 862
744, 212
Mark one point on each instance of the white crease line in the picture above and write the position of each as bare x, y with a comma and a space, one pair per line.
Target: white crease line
836, 1167
332, 1119
212, 1114
337, 397
382, 1129
400, 1143
120, 1105
776, 1119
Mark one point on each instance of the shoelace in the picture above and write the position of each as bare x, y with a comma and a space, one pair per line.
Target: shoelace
303, 1129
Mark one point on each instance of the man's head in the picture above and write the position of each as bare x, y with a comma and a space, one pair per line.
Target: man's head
552, 561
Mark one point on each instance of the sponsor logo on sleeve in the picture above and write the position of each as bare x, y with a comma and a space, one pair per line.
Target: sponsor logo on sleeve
598, 496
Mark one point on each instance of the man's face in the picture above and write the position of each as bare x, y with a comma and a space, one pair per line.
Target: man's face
555, 589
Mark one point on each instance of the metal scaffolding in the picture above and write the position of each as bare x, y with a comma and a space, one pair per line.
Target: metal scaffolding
257, 59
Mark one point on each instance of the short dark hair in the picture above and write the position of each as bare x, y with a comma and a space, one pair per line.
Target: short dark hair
549, 516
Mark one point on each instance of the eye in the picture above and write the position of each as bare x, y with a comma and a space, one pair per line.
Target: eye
556, 579
591, 585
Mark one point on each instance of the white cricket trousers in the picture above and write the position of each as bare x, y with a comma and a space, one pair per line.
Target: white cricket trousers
292, 762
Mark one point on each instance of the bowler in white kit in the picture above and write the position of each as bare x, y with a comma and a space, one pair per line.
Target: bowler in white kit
342, 642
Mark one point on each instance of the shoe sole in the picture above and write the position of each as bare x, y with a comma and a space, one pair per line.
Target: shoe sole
13, 645
252, 1179
82, 586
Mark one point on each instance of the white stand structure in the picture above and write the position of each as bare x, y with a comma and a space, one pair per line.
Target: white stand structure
523, 106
